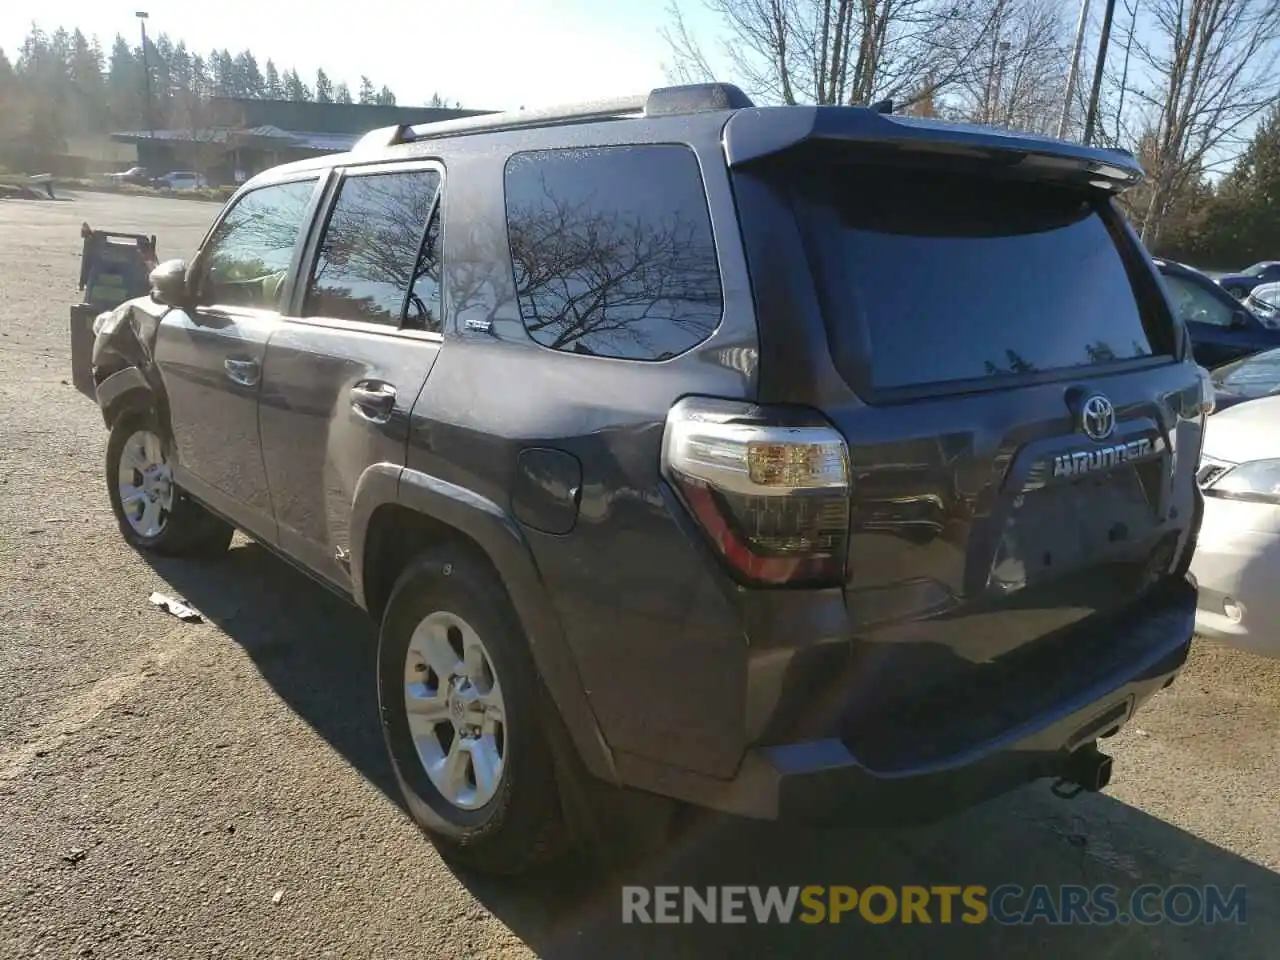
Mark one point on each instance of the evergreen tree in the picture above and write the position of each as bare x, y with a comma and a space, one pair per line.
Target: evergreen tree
84, 70
222, 73
1244, 219
180, 71
324, 87
58, 84
294, 88
273, 88
124, 87
249, 78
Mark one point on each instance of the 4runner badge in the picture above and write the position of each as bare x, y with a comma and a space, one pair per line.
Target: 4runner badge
1103, 458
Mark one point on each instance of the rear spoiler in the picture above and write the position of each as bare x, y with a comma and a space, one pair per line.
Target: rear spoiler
754, 133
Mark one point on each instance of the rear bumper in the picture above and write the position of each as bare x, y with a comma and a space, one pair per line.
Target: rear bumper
828, 781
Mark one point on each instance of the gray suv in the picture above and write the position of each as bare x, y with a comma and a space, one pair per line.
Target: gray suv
792, 462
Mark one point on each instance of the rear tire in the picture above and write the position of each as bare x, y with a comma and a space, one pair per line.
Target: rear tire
451, 657
153, 513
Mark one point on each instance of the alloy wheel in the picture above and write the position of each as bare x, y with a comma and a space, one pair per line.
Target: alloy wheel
146, 484
456, 713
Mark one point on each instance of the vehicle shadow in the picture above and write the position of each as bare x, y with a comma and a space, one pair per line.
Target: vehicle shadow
317, 653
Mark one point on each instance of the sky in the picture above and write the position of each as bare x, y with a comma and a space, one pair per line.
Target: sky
489, 54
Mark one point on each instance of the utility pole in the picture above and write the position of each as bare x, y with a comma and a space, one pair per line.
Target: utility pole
1092, 116
1073, 73
1001, 115
146, 73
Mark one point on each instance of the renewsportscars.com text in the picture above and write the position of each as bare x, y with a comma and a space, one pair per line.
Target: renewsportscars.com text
973, 904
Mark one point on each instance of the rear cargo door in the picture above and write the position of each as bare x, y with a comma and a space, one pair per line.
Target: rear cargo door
999, 358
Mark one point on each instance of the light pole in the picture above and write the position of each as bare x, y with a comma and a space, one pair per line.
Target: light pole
146, 73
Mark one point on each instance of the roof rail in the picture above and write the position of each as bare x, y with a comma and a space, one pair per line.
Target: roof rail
662, 102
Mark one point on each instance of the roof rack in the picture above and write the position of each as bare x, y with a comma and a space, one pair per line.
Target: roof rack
662, 102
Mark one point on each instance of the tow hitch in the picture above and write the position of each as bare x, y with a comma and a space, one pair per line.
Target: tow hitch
1087, 768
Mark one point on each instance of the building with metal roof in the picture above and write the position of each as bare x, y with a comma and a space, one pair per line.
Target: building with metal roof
228, 139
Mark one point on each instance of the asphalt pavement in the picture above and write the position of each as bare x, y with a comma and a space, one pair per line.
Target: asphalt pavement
170, 789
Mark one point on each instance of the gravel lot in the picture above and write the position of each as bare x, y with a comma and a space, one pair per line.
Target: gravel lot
219, 789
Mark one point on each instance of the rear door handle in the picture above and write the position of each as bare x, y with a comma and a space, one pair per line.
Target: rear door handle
373, 400
243, 372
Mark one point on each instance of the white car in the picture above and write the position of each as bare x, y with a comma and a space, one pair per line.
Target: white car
182, 180
1237, 560
1264, 301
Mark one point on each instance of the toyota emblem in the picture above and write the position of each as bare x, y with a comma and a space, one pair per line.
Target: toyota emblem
1097, 417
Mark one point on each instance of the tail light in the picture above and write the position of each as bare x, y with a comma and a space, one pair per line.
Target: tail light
1208, 395
768, 487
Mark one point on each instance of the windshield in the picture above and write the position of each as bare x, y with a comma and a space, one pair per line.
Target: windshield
956, 277
1258, 269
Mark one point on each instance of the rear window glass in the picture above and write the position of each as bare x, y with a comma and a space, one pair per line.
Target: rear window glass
953, 277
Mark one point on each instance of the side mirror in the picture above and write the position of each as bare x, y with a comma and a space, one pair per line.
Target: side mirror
1239, 319
169, 284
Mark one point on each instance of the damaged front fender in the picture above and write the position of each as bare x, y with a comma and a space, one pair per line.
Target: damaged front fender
123, 356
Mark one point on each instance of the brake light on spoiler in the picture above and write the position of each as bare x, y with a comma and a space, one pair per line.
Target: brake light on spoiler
769, 487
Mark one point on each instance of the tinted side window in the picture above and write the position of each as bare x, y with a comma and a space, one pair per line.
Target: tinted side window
1194, 304
247, 258
422, 312
365, 265
613, 251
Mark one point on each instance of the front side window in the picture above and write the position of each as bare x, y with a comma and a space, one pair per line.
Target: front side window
365, 269
1194, 304
247, 258
613, 250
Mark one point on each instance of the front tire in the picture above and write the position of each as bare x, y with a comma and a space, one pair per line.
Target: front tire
460, 703
153, 513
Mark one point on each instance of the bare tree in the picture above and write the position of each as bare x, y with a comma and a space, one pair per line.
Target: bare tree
1212, 66
836, 51
1017, 74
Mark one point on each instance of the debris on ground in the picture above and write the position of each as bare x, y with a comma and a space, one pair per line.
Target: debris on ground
277, 896
74, 855
177, 608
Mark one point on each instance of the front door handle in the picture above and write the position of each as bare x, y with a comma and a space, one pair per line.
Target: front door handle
373, 400
243, 372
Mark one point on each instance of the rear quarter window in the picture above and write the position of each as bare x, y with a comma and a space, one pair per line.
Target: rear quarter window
613, 251
958, 277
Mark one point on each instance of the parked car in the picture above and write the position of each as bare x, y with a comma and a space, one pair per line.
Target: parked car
1264, 301
137, 176
1237, 563
686, 454
1251, 377
1221, 327
1239, 284
181, 180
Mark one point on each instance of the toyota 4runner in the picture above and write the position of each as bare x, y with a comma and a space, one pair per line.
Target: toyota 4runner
793, 462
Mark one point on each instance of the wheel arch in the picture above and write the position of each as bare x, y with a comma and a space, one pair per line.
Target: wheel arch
129, 390
398, 512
